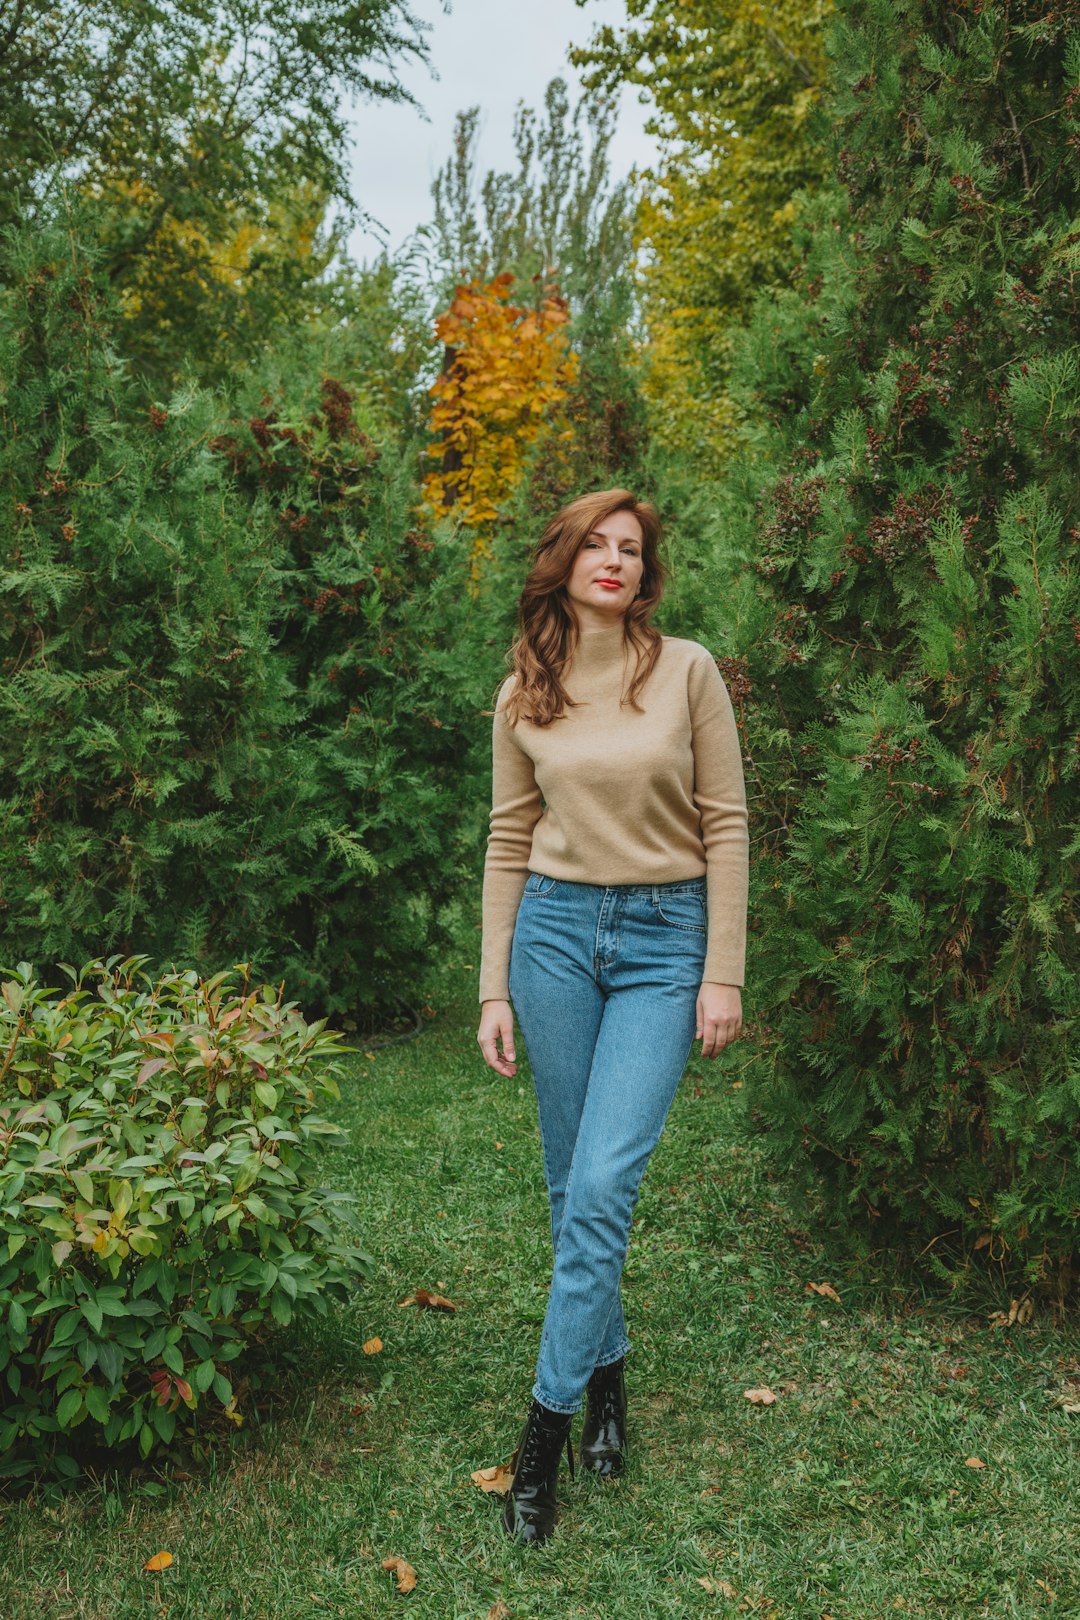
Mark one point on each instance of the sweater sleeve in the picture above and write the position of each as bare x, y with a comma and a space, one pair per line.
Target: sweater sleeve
720, 795
515, 810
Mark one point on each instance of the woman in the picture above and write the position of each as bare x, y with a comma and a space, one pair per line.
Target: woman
614, 918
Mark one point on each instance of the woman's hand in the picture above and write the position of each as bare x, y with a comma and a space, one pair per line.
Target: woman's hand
497, 1029
719, 1017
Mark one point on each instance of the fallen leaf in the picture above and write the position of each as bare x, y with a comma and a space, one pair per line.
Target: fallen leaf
432, 1302
160, 1561
759, 1397
495, 1479
974, 1462
724, 1588
429, 1300
498, 1611
826, 1290
405, 1574
1020, 1311
499, 1145
371, 1347
1051, 1594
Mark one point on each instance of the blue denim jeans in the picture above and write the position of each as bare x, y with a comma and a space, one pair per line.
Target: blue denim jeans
604, 982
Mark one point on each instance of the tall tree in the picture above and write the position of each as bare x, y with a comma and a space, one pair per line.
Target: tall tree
556, 211
734, 85
236, 683
902, 639
537, 396
211, 134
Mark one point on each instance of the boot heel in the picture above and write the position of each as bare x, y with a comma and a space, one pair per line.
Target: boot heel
603, 1434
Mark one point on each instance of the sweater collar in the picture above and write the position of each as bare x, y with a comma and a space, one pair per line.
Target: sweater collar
599, 650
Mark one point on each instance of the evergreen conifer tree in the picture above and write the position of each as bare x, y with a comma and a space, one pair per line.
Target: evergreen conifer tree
236, 683
903, 640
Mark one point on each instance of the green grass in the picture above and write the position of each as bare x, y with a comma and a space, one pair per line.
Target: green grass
849, 1497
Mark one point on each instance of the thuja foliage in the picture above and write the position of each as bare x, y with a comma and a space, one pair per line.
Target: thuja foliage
160, 1209
232, 675
381, 648
903, 645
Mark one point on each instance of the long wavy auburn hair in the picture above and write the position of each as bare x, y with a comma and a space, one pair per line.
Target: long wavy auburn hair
548, 631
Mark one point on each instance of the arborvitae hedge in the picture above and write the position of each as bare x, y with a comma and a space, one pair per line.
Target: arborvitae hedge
234, 680
904, 643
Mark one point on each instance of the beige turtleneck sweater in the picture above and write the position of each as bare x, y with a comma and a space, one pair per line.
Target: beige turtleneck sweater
607, 794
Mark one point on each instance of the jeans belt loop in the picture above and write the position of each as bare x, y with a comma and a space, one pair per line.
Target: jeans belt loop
656, 894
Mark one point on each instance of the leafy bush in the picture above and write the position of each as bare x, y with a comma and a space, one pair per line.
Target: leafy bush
158, 1212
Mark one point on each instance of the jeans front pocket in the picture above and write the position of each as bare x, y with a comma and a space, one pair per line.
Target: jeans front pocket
537, 886
683, 908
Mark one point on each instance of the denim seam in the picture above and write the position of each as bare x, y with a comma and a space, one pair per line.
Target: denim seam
554, 1406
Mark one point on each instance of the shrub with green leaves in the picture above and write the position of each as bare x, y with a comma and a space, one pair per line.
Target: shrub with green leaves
159, 1212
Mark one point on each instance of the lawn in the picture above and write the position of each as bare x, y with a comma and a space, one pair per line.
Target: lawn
915, 1461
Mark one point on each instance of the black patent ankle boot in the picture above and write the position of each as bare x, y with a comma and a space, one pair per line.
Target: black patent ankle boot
529, 1513
603, 1435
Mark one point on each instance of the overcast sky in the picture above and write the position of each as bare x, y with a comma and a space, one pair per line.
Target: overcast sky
487, 53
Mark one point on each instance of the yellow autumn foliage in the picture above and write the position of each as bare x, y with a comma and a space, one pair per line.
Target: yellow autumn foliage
507, 371
734, 84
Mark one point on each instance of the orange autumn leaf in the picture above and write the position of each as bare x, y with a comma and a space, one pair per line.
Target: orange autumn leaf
760, 1397
974, 1462
498, 1611
371, 1347
430, 1301
493, 1480
160, 1561
506, 374
404, 1573
826, 1290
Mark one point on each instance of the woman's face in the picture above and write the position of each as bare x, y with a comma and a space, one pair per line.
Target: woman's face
607, 571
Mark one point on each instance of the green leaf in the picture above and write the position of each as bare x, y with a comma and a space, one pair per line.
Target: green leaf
172, 1358
110, 1359
70, 1407
205, 1373
93, 1313
97, 1403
